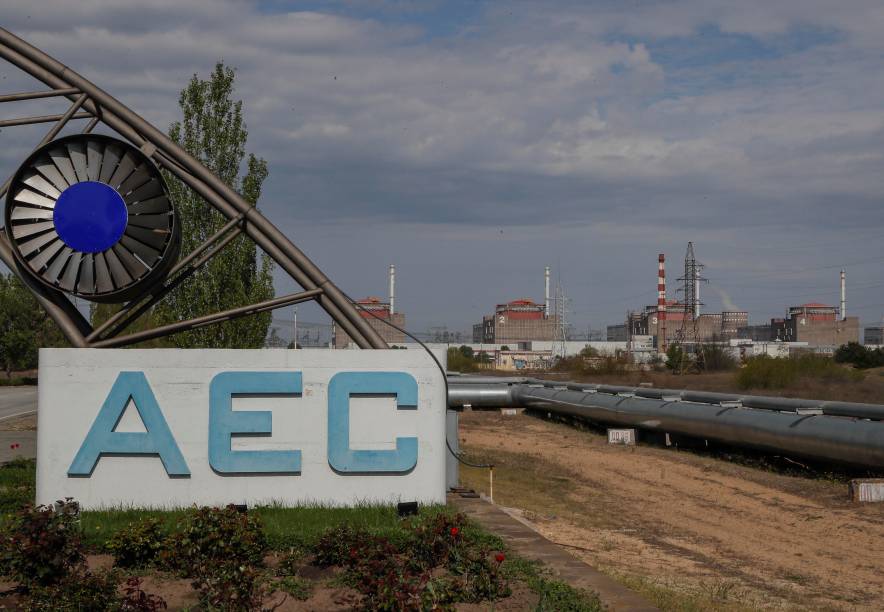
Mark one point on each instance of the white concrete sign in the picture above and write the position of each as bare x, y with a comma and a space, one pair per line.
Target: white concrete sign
166, 428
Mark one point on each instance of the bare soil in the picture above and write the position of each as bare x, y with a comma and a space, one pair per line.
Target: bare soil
690, 532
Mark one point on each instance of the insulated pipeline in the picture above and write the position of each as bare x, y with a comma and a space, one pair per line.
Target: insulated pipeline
795, 427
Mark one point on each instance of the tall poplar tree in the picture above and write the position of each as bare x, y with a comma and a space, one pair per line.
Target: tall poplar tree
213, 131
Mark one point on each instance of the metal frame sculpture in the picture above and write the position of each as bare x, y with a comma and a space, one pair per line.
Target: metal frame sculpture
90, 102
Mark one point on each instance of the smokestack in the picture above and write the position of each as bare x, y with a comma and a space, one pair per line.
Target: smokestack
546, 292
843, 296
661, 300
392, 289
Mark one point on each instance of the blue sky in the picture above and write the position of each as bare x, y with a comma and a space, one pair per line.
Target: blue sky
473, 143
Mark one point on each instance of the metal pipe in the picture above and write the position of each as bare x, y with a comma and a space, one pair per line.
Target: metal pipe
227, 315
845, 432
132, 126
32, 95
40, 119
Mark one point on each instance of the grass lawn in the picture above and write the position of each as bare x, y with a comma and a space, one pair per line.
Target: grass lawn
299, 530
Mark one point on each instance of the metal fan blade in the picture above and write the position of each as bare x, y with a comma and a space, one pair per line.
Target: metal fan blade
109, 164
119, 275
41, 184
135, 268
103, 280
124, 169
77, 153
139, 177
151, 206
38, 262
150, 221
61, 160
147, 254
152, 189
69, 280
52, 174
58, 264
94, 153
148, 237
86, 282
27, 196
25, 212
29, 229
31, 246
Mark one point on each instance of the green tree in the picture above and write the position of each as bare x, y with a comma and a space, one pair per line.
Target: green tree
676, 358
213, 131
24, 327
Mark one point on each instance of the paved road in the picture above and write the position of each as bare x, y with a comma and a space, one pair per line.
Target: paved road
17, 402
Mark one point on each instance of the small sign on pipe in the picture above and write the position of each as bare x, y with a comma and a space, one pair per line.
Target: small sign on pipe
621, 436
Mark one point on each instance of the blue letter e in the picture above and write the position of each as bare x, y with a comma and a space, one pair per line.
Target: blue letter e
103, 440
341, 387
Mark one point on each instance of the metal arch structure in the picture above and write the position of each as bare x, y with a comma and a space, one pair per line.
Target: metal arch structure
90, 102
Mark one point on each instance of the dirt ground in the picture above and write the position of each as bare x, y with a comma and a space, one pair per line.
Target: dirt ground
691, 532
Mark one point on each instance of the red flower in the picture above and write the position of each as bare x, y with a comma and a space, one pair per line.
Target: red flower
454, 532
499, 557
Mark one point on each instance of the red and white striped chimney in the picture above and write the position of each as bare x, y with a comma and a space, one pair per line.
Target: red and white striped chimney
661, 301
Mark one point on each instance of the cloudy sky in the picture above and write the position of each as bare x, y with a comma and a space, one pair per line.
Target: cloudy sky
472, 143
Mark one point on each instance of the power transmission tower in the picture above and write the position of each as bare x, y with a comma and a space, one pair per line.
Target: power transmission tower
689, 332
561, 329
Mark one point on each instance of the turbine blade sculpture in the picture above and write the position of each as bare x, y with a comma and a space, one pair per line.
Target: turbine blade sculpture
90, 216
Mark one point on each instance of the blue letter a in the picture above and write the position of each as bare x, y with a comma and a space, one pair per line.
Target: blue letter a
103, 440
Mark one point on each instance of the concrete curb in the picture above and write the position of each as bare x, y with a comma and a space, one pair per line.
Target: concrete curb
529, 544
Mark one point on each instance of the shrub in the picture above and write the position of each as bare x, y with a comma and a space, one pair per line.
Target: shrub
337, 545
79, 591
210, 536
861, 357
228, 586
297, 587
43, 544
765, 372
481, 576
714, 358
138, 544
434, 537
136, 600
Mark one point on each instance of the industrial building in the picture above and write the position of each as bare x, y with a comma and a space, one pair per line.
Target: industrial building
519, 321
873, 336
617, 333
376, 312
819, 325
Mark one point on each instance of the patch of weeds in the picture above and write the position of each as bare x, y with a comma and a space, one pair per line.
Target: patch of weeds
291, 561
136, 600
228, 586
554, 595
297, 587
17, 482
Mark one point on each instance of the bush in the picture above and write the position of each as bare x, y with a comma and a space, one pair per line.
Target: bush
80, 591
434, 538
210, 536
337, 545
765, 372
137, 545
297, 587
228, 586
861, 357
714, 358
42, 545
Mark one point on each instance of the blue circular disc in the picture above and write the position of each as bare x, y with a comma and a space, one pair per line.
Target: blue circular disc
90, 217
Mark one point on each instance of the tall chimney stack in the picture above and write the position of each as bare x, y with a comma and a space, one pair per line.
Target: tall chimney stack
392, 289
843, 296
661, 301
546, 292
